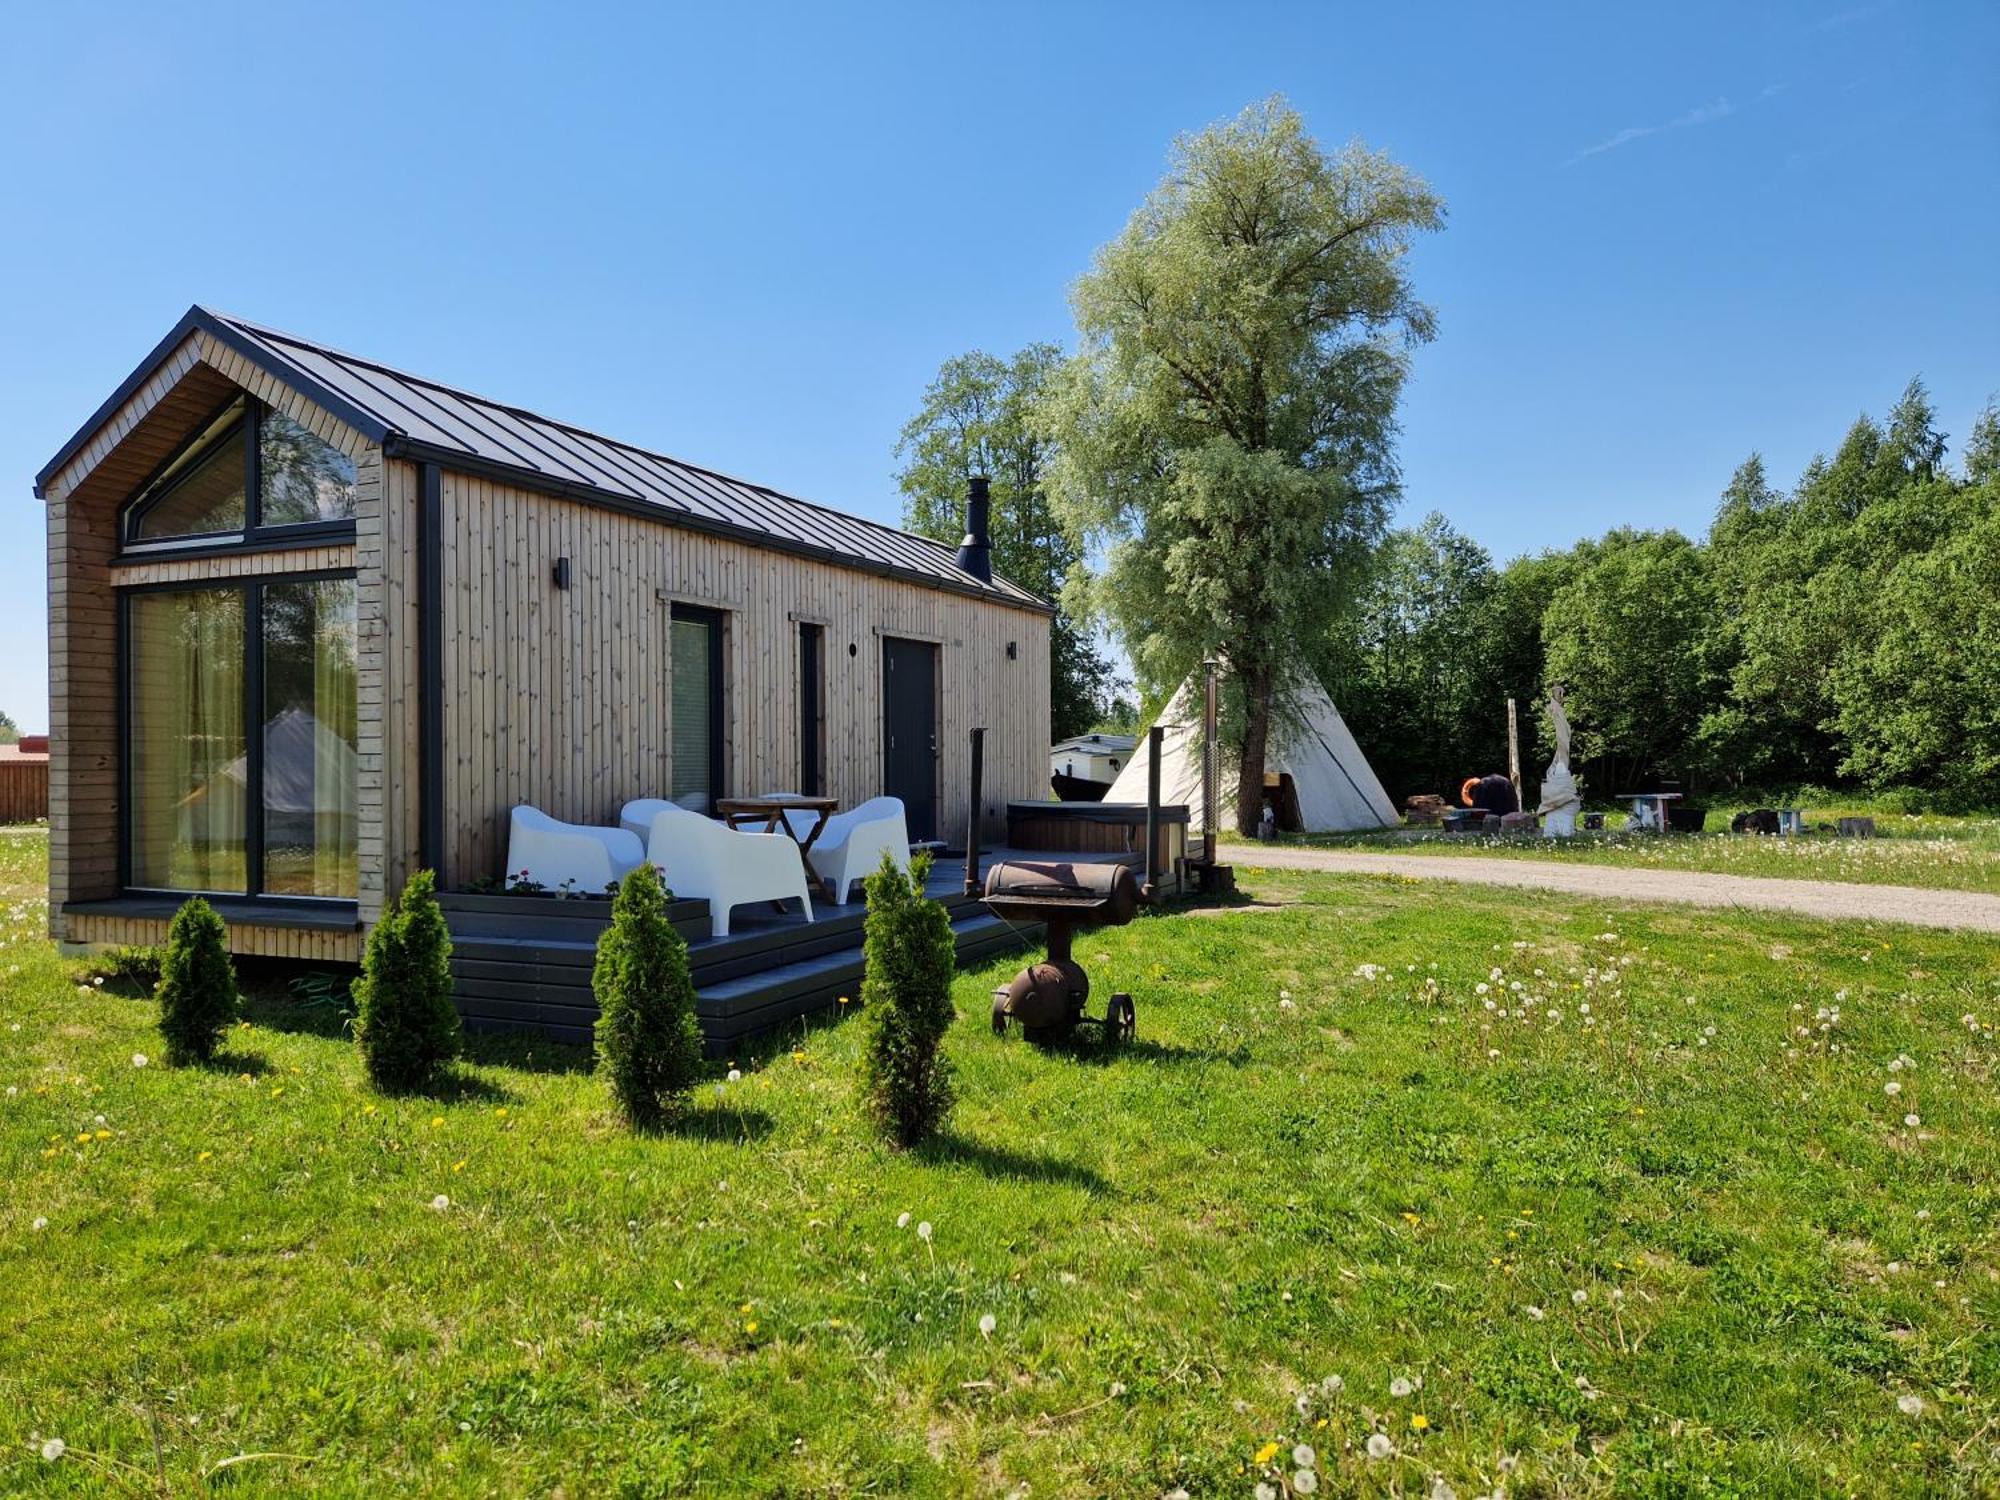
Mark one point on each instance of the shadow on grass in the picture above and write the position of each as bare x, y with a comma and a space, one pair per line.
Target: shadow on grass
453, 1086
238, 1063
1089, 1046
951, 1149
726, 1125
529, 1051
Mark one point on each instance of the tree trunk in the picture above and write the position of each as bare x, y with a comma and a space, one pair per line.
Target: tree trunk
1256, 744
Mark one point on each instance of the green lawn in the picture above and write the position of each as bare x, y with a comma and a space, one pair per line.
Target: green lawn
1651, 1225
1945, 853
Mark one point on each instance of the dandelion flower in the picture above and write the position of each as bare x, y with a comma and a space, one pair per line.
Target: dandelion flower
1420, 1423
1379, 1445
1400, 1387
1266, 1453
1913, 1121
924, 1231
1579, 1296
1333, 1385
138, 1059
1535, 1312
1892, 1088
53, 1449
1910, 1405
1264, 1490
902, 1221
1303, 1457
1305, 1482
437, 1121
987, 1323
750, 1327
440, 1203
735, 1075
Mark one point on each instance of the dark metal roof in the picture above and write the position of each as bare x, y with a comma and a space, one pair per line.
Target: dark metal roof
422, 420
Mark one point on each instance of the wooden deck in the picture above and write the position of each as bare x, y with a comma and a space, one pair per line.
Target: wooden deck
525, 962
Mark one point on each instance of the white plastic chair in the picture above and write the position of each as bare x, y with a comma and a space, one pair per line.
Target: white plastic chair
719, 864
555, 855
851, 845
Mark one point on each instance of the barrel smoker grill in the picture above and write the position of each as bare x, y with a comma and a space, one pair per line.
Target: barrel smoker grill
1047, 999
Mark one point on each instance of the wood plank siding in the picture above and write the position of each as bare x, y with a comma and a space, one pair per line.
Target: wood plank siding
84, 498
555, 697
559, 697
301, 944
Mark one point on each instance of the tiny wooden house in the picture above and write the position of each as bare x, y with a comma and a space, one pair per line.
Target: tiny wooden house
314, 623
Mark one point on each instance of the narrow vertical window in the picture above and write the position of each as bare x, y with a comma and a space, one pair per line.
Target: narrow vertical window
696, 697
812, 695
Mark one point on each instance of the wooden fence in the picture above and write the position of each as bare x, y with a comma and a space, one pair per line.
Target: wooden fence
24, 788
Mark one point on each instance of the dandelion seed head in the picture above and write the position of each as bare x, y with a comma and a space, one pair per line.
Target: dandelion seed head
1379, 1445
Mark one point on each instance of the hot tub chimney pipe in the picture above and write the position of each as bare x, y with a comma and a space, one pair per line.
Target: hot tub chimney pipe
975, 553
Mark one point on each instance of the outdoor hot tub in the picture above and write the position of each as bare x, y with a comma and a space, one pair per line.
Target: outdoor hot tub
1098, 828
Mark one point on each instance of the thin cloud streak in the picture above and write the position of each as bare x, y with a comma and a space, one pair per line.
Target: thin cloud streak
1701, 114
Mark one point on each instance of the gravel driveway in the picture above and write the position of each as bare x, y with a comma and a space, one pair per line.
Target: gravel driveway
1975, 910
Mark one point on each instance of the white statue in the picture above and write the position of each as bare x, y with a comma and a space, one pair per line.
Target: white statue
1561, 798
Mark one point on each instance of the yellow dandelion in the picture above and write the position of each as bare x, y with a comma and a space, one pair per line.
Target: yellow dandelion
83, 1137
744, 1308
203, 1155
369, 1110
104, 1135
276, 1092
1420, 1423
798, 1057
459, 1165
1265, 1454
843, 999
500, 1113
750, 1327
437, 1121
1412, 1219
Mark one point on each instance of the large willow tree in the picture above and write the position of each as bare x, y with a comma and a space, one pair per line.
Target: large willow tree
1226, 431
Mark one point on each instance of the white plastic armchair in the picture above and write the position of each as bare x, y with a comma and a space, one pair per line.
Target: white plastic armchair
556, 855
851, 845
724, 867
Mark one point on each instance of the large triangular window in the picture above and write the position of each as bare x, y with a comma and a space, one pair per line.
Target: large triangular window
249, 472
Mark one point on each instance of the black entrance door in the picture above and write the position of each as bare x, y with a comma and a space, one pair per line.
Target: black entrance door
909, 730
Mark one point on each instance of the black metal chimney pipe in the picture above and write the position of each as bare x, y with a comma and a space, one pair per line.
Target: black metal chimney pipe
975, 554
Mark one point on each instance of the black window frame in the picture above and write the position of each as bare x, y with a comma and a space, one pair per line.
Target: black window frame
717, 621
254, 534
252, 587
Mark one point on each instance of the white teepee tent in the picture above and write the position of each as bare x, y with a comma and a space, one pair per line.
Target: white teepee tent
1336, 787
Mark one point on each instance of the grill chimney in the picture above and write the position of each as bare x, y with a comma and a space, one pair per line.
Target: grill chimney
975, 554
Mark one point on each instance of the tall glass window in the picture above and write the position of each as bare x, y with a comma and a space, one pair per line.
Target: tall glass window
310, 821
211, 805
188, 764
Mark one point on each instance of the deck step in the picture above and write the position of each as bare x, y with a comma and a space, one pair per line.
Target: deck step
518, 972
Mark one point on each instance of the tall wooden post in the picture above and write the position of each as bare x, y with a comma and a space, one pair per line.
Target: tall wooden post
1209, 769
1155, 737
972, 882
1514, 754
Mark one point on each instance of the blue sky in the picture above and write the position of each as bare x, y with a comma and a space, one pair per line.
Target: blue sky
749, 241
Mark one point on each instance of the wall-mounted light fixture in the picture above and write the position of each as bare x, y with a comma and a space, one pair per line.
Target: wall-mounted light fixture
1013, 650
562, 572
